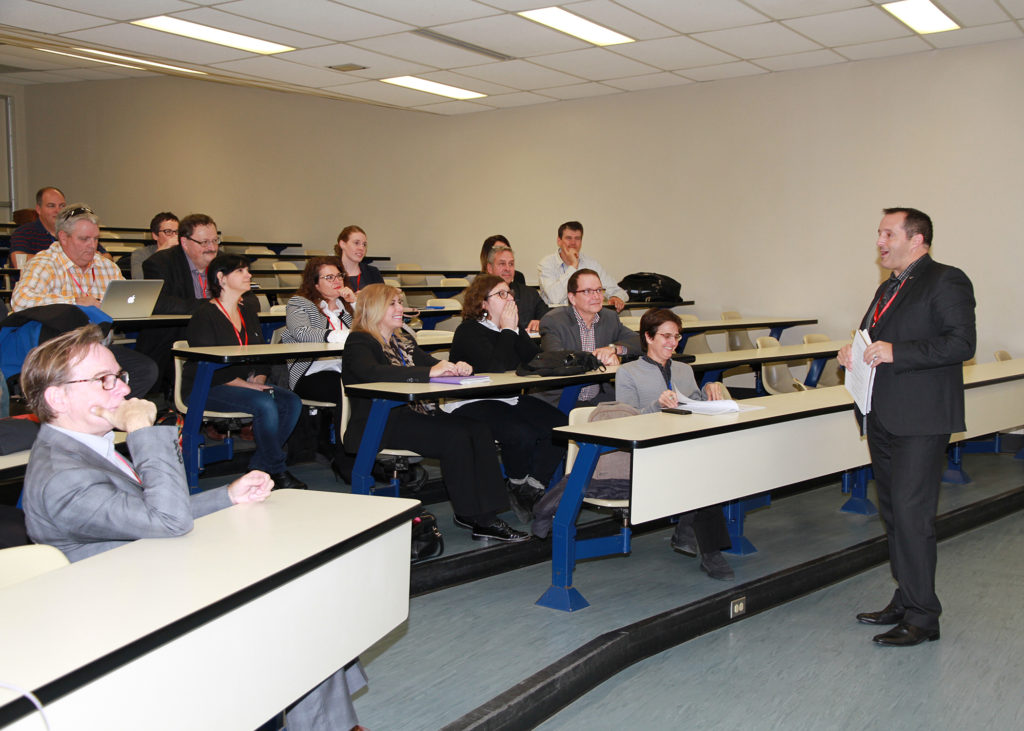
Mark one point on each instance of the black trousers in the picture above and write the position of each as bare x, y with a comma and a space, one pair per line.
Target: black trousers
326, 386
708, 525
142, 371
524, 433
908, 472
469, 459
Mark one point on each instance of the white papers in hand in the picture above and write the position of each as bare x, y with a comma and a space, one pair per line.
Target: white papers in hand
860, 377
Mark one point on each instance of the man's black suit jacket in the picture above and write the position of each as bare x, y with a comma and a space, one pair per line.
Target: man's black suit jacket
930, 324
178, 294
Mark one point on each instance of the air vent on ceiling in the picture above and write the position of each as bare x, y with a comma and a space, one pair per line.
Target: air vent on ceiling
463, 44
347, 67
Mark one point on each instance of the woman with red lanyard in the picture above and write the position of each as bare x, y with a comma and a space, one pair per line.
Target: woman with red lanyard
351, 249
230, 319
321, 312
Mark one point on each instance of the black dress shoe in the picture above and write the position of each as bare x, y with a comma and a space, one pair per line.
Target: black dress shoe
905, 635
287, 481
889, 615
499, 530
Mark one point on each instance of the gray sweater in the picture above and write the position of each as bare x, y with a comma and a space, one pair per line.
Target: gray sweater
640, 383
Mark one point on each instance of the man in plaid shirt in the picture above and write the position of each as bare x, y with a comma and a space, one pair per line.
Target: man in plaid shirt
72, 272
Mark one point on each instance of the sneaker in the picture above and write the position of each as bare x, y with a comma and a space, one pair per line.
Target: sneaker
684, 540
499, 530
715, 565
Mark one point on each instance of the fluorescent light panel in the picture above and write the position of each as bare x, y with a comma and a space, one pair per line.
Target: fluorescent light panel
210, 35
432, 87
574, 25
94, 60
921, 16
139, 60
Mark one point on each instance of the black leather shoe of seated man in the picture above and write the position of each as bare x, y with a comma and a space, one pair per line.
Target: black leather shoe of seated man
287, 481
889, 615
499, 530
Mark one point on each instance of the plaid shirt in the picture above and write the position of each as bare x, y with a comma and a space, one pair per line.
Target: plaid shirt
588, 345
52, 278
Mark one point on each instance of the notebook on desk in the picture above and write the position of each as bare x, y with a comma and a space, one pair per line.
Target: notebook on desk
131, 297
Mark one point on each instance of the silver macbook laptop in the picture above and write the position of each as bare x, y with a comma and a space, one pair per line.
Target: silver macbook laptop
131, 297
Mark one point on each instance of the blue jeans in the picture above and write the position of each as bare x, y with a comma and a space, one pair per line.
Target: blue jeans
274, 414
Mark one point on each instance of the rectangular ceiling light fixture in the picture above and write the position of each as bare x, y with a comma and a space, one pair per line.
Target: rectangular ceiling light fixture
211, 35
921, 16
94, 60
574, 25
139, 60
432, 87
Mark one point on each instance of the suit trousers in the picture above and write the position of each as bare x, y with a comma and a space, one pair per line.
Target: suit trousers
326, 386
142, 370
908, 472
469, 459
524, 433
708, 525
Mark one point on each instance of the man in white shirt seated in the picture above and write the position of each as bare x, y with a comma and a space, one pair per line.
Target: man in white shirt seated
555, 269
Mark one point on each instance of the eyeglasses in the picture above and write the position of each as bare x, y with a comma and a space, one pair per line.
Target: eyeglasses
66, 213
670, 336
331, 277
502, 293
107, 380
208, 242
169, 232
591, 292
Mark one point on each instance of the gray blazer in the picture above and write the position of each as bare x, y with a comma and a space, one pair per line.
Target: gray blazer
78, 501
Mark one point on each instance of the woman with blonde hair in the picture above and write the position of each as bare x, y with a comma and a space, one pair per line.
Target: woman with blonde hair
380, 350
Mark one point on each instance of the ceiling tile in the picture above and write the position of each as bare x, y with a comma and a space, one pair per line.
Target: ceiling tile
674, 53
422, 50
123, 9
694, 17
516, 5
249, 27
377, 65
378, 91
519, 99
45, 18
757, 41
425, 13
648, 81
614, 16
784, 9
512, 35
722, 71
895, 47
268, 67
1014, 7
467, 82
519, 75
595, 64
979, 34
454, 107
318, 17
974, 12
823, 57
578, 91
862, 25
135, 39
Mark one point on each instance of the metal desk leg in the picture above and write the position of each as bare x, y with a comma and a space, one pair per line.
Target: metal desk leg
711, 376
570, 395
954, 472
369, 445
191, 440
561, 594
814, 371
735, 514
855, 482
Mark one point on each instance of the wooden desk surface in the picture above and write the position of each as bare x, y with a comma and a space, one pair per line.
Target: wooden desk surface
746, 323
277, 353
501, 383
207, 627
728, 359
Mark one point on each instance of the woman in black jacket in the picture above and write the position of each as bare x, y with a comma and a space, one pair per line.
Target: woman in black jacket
380, 350
490, 340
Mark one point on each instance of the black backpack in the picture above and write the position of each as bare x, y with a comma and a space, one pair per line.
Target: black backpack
651, 287
559, 363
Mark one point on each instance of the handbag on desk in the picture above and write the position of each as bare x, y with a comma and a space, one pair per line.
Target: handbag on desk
560, 363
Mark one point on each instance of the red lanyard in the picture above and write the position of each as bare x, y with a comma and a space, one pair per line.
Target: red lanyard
202, 283
879, 313
79, 284
240, 317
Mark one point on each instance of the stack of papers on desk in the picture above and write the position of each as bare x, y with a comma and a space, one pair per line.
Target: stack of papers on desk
460, 380
725, 406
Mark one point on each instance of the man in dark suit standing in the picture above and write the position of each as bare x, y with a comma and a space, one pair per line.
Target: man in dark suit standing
183, 271
921, 323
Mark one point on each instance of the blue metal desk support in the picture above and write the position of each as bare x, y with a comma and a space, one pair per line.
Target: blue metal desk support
954, 472
362, 473
565, 549
194, 452
735, 515
855, 482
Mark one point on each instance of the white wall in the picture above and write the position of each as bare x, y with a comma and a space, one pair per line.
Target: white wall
760, 194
